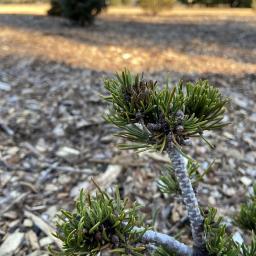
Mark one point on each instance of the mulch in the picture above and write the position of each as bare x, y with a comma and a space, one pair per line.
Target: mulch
54, 139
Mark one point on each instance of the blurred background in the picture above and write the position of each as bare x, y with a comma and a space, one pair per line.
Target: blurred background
54, 57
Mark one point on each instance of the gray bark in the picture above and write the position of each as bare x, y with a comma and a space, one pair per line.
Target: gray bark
167, 241
189, 198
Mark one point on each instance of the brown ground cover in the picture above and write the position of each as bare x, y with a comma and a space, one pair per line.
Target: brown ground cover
53, 138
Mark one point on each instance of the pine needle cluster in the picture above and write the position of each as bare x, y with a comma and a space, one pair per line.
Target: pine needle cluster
149, 117
247, 215
162, 251
100, 223
249, 250
168, 183
219, 242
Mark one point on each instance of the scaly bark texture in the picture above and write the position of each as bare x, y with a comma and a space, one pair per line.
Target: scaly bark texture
189, 198
167, 241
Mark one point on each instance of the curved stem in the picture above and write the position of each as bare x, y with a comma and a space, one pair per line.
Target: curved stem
189, 198
167, 241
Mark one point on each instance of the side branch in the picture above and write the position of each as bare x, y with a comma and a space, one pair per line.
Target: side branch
167, 241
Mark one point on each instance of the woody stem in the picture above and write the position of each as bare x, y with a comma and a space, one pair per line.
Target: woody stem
189, 197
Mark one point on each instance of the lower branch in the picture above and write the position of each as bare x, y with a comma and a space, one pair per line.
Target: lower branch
167, 241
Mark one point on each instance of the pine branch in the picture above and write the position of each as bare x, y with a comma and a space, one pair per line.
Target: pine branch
146, 115
97, 224
165, 120
246, 218
168, 183
218, 240
188, 195
167, 241
102, 222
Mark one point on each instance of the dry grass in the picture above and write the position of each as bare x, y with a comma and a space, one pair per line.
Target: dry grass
125, 38
178, 11
136, 58
34, 9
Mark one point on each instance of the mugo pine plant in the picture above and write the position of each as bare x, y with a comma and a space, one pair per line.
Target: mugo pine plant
80, 12
160, 120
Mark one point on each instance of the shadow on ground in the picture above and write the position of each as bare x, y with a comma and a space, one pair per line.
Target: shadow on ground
232, 38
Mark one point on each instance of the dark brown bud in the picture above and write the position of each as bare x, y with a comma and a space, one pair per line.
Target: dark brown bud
165, 127
142, 84
127, 98
206, 211
98, 236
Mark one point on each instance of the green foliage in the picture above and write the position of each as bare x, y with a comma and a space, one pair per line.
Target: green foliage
100, 223
231, 3
82, 11
55, 9
251, 249
188, 1
155, 6
150, 117
218, 242
253, 5
247, 215
115, 2
79, 11
127, 2
162, 251
202, 105
168, 182
120, 2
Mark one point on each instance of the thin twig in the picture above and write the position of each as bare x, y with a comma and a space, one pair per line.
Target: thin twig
44, 226
17, 200
6, 128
